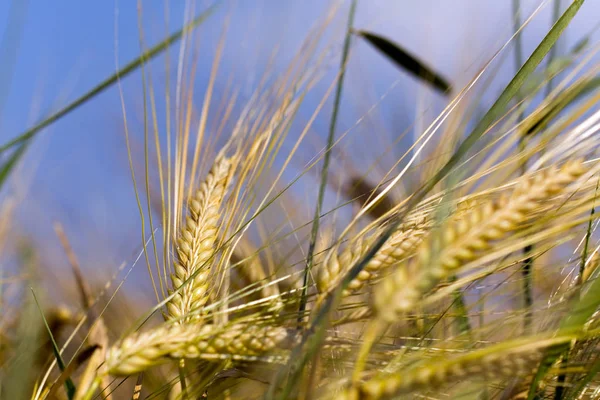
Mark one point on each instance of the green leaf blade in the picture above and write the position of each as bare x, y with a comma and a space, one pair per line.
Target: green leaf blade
407, 62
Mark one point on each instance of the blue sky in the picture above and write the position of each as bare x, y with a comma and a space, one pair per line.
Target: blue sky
77, 171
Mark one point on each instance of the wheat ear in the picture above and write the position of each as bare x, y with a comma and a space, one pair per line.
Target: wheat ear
395, 250
168, 342
196, 243
511, 359
466, 239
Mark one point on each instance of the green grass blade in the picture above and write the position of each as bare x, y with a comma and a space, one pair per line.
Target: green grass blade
584, 308
407, 61
8, 166
326, 157
312, 338
108, 82
581, 45
527, 264
552, 56
516, 10
462, 315
18, 376
588, 236
61, 364
64, 377
542, 119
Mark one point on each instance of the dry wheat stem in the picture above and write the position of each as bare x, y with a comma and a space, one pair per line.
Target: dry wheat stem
196, 243
168, 342
468, 238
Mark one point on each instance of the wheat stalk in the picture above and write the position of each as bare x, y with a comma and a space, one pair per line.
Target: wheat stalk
169, 342
590, 266
196, 243
468, 238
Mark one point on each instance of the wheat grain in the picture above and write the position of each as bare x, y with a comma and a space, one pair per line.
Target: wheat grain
395, 250
334, 264
169, 342
466, 239
196, 244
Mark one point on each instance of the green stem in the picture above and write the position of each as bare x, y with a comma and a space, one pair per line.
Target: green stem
463, 323
70, 386
326, 159
182, 380
527, 268
552, 55
588, 235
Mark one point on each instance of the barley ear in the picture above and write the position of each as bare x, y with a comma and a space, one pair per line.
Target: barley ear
168, 342
469, 237
398, 247
196, 243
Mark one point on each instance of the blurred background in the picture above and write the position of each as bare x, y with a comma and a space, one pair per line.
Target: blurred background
77, 173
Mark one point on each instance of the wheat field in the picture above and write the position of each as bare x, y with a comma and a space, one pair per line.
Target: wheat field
282, 255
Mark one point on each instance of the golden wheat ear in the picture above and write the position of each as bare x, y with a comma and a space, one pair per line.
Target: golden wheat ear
510, 359
466, 239
196, 243
169, 342
402, 243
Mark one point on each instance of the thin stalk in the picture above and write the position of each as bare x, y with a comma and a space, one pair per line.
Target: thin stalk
552, 55
527, 268
70, 386
182, 380
137, 390
516, 10
462, 319
326, 159
145, 85
588, 236
558, 393
11, 163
